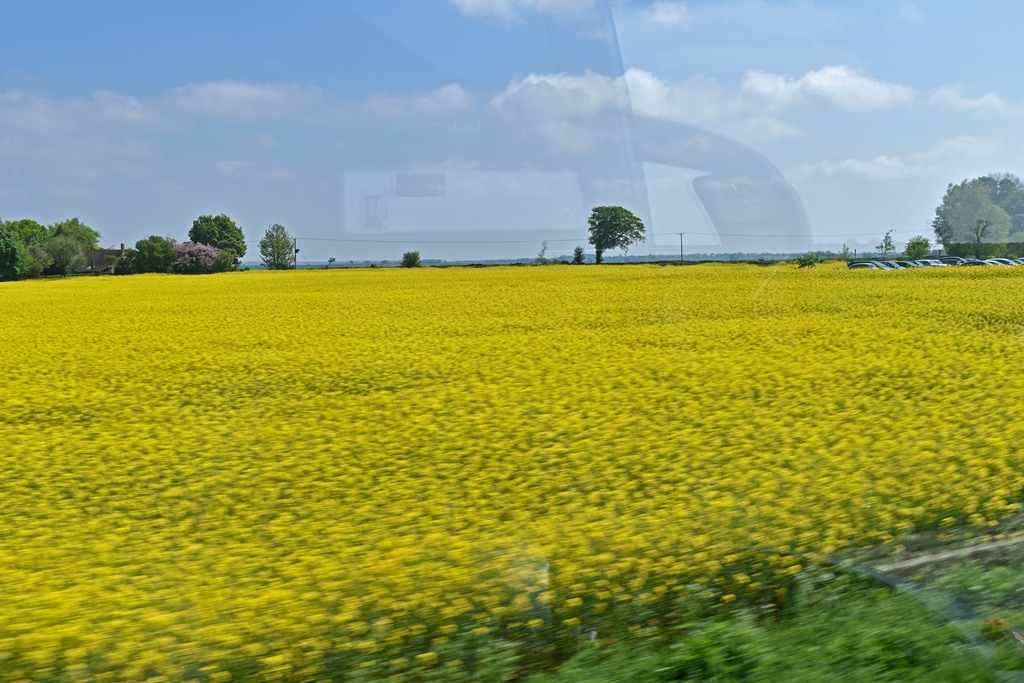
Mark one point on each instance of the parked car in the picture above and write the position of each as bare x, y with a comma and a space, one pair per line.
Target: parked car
910, 264
864, 264
953, 260
889, 265
975, 262
1005, 261
933, 263
996, 262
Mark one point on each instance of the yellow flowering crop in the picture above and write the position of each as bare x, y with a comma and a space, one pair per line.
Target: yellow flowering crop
287, 475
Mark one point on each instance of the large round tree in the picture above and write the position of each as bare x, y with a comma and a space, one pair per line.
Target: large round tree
613, 227
220, 232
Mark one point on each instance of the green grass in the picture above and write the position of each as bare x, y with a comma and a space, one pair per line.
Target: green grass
839, 628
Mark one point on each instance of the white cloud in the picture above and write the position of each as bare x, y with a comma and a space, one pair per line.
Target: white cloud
125, 109
559, 102
701, 101
670, 13
695, 100
558, 96
935, 161
561, 108
443, 100
62, 142
236, 100
991, 103
25, 112
557, 106
840, 86
509, 10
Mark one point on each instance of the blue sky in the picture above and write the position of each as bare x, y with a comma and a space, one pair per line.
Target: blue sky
508, 119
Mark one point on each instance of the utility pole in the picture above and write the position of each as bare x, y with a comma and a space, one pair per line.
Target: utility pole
295, 255
681, 248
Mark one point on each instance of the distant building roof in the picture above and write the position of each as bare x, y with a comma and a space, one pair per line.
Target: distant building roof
99, 260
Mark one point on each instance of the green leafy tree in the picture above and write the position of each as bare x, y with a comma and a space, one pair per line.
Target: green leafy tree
86, 237
27, 232
65, 253
411, 259
917, 247
154, 254
32, 261
218, 231
887, 246
956, 220
8, 254
1007, 192
578, 256
613, 227
277, 248
125, 263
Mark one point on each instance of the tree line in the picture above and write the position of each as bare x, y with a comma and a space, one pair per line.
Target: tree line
29, 249
983, 217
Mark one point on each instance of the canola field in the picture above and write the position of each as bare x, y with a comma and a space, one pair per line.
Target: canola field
318, 475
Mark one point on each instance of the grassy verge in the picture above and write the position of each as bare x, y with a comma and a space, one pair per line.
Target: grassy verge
837, 628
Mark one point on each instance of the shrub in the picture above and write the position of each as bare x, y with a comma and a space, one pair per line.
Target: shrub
194, 258
225, 261
809, 260
411, 259
126, 263
154, 254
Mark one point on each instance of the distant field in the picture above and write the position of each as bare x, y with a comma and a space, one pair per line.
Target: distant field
303, 473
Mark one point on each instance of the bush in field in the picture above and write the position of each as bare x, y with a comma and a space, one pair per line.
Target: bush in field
153, 254
411, 259
809, 260
917, 247
226, 260
194, 258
